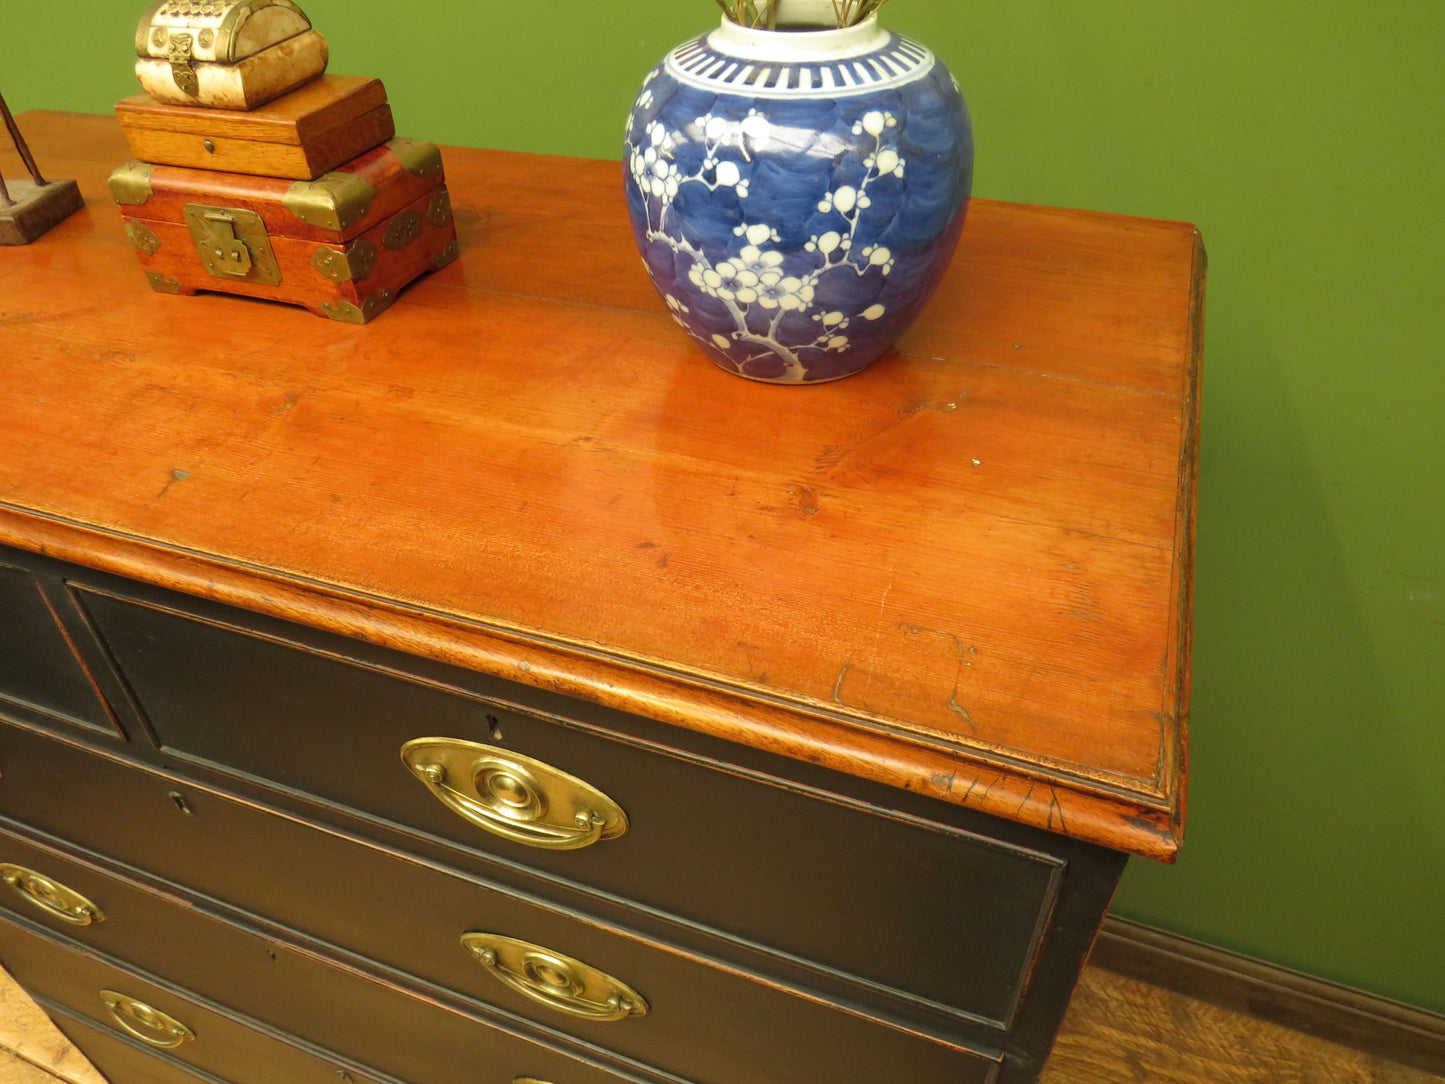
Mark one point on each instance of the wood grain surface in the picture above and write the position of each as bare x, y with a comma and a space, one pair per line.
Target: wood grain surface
298, 162
965, 572
1121, 1030
299, 136
1328, 1010
32, 1050
293, 118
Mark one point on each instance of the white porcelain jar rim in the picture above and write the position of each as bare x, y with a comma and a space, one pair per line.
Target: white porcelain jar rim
799, 42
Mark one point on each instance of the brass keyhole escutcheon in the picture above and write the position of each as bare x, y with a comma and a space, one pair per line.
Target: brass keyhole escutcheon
52, 897
514, 796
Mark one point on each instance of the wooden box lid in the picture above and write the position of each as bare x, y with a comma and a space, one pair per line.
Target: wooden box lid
299, 135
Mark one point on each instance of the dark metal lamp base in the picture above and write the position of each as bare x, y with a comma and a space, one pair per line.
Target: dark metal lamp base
33, 209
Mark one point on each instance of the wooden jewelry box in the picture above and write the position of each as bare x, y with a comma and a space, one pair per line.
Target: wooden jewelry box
230, 54
342, 245
300, 136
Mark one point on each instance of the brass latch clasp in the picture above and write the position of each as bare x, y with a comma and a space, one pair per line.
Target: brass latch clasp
229, 252
233, 243
183, 69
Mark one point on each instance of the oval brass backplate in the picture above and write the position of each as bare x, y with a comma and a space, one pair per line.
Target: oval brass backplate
557, 981
52, 897
145, 1022
513, 796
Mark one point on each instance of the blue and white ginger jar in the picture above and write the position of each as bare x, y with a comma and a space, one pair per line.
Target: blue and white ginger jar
797, 194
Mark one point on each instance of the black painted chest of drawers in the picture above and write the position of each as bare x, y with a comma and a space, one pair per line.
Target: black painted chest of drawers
499, 694
211, 812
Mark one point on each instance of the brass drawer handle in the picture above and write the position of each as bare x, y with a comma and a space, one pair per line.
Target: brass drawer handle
516, 797
52, 897
554, 980
146, 1023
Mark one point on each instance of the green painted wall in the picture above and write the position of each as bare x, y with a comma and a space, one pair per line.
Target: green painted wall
1307, 140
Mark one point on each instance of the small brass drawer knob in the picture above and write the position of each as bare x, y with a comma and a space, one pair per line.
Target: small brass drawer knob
513, 796
146, 1023
52, 897
554, 980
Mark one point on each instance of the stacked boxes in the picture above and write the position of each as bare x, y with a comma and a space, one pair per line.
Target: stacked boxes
257, 174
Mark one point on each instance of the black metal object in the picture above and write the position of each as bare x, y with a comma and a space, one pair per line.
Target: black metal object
34, 206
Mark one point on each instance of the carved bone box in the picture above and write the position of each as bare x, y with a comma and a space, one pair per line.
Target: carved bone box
232, 54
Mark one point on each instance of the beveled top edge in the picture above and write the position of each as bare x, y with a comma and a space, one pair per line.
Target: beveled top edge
1139, 823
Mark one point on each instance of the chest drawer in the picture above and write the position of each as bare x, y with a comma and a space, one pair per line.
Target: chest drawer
201, 1035
119, 1060
802, 873
389, 1036
704, 1021
41, 673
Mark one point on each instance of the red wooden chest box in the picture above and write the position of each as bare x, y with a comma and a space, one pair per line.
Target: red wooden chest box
342, 245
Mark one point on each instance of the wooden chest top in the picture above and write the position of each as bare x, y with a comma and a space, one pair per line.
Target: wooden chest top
965, 572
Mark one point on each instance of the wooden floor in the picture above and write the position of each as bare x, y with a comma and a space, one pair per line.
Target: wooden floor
1118, 1031
31, 1050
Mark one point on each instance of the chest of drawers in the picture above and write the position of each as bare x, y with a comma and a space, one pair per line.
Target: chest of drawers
498, 693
